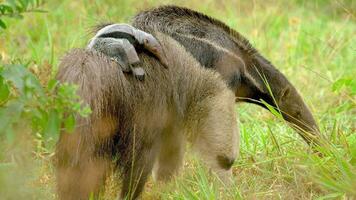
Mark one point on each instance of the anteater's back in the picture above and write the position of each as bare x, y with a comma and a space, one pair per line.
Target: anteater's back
110, 92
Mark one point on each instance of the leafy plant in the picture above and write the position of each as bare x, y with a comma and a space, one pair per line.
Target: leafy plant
16, 9
24, 101
23, 97
30, 108
347, 83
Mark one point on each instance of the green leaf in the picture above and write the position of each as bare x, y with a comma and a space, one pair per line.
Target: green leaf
352, 143
2, 24
12, 3
69, 123
10, 114
23, 4
4, 90
15, 74
52, 84
22, 79
346, 82
86, 111
53, 124
5, 9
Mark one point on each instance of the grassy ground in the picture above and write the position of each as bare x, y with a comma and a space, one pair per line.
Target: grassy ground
312, 42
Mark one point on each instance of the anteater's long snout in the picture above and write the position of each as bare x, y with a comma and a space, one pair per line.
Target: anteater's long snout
297, 113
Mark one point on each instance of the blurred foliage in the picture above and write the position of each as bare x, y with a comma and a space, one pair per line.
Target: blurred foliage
347, 83
16, 8
29, 106
23, 99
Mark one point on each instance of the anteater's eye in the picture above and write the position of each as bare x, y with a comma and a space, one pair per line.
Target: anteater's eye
298, 114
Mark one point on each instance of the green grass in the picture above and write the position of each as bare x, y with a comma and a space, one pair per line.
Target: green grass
312, 42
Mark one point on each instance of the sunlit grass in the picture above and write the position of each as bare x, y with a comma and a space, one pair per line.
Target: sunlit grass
312, 42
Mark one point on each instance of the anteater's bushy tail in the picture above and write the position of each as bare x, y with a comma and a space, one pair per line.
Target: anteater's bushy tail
101, 85
100, 81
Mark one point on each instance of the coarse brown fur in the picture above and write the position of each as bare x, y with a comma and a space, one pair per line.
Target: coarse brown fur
143, 126
214, 45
